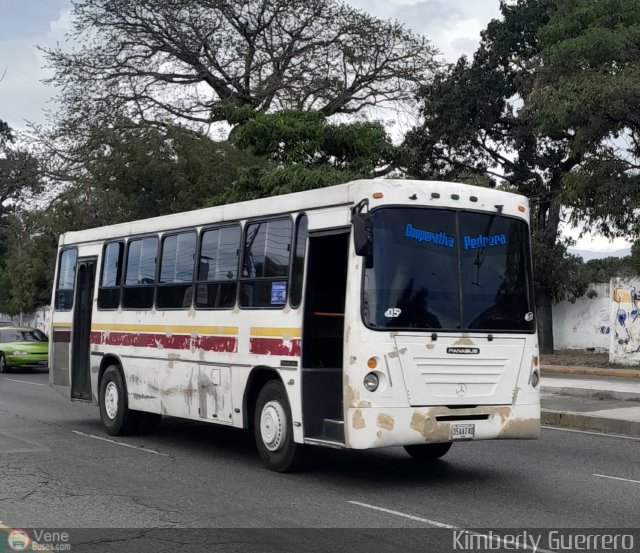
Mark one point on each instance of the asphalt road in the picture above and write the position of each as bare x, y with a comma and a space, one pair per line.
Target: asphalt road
56, 470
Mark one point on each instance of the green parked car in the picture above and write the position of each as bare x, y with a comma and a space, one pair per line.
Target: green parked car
23, 347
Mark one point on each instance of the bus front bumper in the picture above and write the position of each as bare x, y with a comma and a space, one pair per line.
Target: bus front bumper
385, 427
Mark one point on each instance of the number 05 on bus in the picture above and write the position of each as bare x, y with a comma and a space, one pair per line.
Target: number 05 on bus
365, 315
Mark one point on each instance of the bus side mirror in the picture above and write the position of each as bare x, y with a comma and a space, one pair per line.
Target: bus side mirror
362, 234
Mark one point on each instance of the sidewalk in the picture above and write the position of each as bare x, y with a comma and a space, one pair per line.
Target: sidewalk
600, 400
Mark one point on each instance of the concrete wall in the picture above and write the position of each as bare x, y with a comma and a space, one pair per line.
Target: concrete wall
585, 323
624, 345
40, 319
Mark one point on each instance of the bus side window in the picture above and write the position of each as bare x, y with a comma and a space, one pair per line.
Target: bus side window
175, 286
217, 278
111, 279
140, 274
66, 279
297, 265
265, 264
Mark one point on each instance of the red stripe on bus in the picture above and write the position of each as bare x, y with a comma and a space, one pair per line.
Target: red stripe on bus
177, 341
62, 336
274, 346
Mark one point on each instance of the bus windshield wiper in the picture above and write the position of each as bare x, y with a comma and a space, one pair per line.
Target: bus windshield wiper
479, 260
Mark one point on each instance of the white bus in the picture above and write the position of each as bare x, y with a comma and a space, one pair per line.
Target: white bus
371, 314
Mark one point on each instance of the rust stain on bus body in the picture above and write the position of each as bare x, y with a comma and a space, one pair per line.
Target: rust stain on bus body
384, 421
358, 420
425, 423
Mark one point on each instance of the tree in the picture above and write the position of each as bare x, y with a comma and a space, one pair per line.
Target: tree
587, 89
27, 266
20, 176
127, 170
195, 60
476, 121
20, 182
304, 151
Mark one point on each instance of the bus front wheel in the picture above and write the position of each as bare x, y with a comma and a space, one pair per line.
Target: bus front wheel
117, 418
427, 452
273, 428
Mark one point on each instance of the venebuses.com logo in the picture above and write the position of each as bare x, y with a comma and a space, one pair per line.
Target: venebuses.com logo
18, 540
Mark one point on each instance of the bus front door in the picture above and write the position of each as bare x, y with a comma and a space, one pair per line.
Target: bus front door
81, 330
323, 335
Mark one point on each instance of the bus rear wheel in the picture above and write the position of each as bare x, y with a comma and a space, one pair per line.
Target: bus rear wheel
273, 429
427, 452
117, 418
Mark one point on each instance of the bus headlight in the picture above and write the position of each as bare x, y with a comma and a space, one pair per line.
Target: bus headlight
371, 382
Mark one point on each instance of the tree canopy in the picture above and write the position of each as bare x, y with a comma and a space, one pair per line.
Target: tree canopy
477, 118
587, 89
20, 182
194, 60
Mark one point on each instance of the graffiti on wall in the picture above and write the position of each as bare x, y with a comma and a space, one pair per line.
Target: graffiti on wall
625, 319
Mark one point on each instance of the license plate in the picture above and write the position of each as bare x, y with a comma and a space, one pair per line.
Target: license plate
463, 431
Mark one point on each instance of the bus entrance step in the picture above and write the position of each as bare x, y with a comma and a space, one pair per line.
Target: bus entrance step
333, 429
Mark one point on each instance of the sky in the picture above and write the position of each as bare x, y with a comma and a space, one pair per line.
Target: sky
453, 27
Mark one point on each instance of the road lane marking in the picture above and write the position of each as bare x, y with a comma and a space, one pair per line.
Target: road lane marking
405, 515
119, 443
491, 537
617, 478
23, 381
634, 438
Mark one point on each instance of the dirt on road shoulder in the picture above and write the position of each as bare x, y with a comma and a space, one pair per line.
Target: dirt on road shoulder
576, 358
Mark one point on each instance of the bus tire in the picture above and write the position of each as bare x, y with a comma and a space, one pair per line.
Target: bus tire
273, 429
427, 452
117, 418
3, 364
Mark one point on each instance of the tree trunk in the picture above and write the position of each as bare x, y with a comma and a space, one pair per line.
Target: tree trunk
545, 323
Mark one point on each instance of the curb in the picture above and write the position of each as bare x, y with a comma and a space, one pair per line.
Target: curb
581, 421
591, 393
590, 371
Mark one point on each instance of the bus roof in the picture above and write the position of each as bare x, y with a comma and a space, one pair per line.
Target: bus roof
338, 195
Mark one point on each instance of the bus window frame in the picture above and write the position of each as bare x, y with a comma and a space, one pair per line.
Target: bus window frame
106, 243
196, 281
457, 210
294, 243
157, 236
158, 284
73, 288
286, 215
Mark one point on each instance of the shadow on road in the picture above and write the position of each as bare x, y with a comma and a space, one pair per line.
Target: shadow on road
382, 466
28, 370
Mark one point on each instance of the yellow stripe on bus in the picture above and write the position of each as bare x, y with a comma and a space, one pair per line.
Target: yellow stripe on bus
163, 329
273, 331
61, 325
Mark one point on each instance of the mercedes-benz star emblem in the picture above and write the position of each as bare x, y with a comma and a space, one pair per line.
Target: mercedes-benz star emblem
461, 389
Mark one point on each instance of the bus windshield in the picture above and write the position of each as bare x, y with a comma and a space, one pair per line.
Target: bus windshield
450, 270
